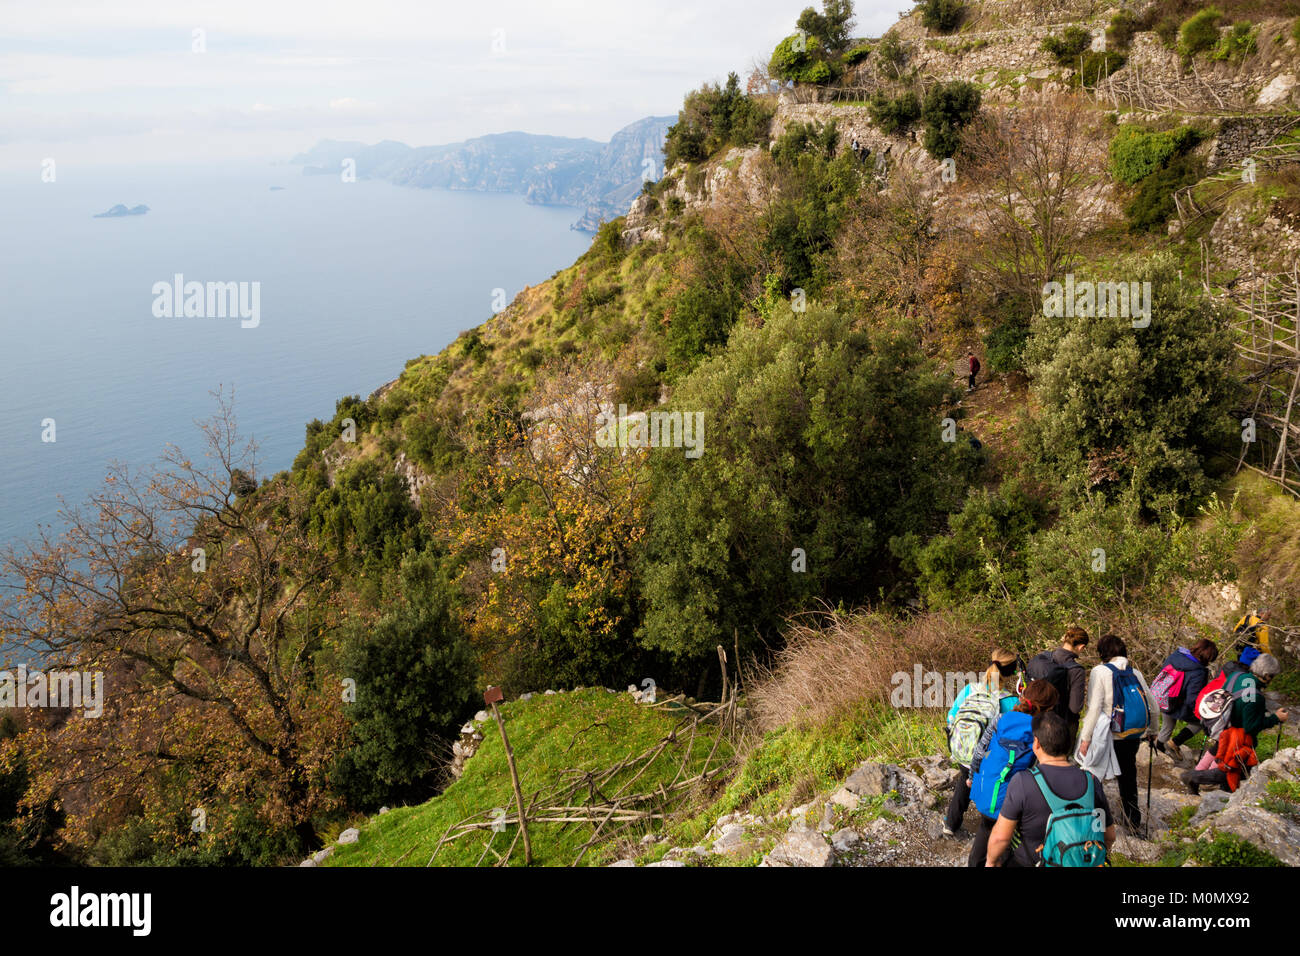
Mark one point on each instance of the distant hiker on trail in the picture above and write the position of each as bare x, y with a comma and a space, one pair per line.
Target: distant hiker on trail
1121, 712
1253, 631
974, 370
1054, 806
978, 705
1006, 748
1176, 688
1247, 717
1061, 668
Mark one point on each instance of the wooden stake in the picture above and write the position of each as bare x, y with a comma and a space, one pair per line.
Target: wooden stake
492, 697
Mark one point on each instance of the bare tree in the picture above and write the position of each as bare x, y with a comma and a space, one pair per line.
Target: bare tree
1029, 168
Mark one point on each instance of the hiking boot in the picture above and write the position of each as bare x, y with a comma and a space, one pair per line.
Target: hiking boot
1192, 786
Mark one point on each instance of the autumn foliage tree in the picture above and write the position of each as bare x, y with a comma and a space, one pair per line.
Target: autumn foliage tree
544, 533
209, 611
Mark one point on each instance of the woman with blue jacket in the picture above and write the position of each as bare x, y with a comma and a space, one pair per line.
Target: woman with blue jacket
1194, 663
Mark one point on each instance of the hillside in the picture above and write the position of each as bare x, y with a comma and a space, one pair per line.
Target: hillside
733, 449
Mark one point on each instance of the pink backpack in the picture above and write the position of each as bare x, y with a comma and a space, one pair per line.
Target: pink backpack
1167, 686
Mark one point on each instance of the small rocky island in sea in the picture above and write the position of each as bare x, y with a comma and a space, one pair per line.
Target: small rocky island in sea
276, 189
120, 210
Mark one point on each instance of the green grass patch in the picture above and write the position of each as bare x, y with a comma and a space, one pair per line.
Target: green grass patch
552, 737
790, 766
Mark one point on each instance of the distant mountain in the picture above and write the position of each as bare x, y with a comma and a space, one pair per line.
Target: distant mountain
600, 178
120, 210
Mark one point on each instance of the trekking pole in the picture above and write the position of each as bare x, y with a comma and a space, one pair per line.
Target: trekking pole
1151, 761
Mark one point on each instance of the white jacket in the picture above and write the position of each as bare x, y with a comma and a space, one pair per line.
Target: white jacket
1100, 688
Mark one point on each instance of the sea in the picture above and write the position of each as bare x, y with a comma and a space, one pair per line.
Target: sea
351, 281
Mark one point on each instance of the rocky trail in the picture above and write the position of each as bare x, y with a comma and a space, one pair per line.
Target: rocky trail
887, 814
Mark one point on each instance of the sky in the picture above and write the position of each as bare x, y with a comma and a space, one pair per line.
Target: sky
166, 82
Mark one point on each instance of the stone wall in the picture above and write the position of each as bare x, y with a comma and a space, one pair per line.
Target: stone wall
1239, 136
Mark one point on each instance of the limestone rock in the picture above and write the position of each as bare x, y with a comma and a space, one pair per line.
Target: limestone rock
350, 835
845, 839
1277, 91
733, 839
802, 846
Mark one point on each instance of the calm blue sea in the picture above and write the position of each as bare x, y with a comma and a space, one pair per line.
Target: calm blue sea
356, 278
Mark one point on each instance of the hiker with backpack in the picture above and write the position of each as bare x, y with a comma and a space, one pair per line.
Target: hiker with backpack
1060, 810
1235, 714
973, 364
978, 705
1177, 686
1061, 668
1005, 749
1252, 630
1119, 703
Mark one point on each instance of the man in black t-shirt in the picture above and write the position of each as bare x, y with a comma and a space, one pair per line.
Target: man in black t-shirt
1025, 808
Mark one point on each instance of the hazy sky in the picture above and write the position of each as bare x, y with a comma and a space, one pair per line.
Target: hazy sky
100, 82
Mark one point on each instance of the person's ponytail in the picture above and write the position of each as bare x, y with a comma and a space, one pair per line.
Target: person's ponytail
1002, 664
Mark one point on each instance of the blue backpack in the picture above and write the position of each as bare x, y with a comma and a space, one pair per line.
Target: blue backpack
1128, 715
1008, 750
1074, 834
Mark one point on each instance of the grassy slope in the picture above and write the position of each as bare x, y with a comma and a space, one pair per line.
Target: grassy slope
588, 730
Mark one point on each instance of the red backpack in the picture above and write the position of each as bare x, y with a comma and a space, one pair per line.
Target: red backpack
1213, 685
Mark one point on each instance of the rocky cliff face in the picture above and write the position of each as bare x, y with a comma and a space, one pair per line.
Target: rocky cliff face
600, 178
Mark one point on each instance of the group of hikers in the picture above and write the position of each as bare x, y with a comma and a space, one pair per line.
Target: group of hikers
1035, 741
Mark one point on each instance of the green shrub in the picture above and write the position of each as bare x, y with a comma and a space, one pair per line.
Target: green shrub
1123, 27
1096, 66
1067, 45
1154, 203
992, 526
1136, 154
1199, 32
819, 436
948, 108
819, 72
891, 53
856, 55
815, 138
1004, 346
1237, 44
714, 117
416, 678
830, 27
809, 65
1228, 849
894, 114
942, 16
1143, 569
1122, 406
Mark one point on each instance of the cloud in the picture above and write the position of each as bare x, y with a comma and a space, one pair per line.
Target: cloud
403, 69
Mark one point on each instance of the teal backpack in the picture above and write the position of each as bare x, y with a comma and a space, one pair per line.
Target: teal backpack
1072, 837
